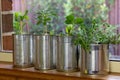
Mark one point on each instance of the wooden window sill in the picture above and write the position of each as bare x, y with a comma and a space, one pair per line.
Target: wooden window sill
6, 69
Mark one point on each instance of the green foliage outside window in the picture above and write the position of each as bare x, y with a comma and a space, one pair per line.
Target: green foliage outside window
87, 9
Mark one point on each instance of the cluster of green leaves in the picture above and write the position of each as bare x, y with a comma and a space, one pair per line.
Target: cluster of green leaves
56, 23
19, 22
97, 33
93, 13
110, 32
91, 8
86, 9
68, 7
69, 30
45, 18
71, 21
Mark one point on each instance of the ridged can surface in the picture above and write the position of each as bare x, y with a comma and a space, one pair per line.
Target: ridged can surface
66, 55
43, 55
23, 50
95, 61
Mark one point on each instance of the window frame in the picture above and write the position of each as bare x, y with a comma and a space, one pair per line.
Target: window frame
4, 13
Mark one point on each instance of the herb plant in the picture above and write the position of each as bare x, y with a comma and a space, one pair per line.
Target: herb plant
72, 22
97, 33
94, 29
19, 22
45, 18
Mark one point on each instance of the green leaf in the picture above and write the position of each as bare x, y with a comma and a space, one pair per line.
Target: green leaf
69, 29
19, 21
78, 20
69, 19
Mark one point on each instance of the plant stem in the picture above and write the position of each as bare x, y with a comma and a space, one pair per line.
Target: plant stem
21, 27
46, 30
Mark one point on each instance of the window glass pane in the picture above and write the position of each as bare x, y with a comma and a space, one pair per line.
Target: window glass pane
114, 52
78, 7
35, 6
63, 8
82, 8
114, 18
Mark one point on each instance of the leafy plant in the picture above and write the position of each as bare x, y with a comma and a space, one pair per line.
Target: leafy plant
19, 22
69, 30
44, 18
94, 28
97, 33
71, 22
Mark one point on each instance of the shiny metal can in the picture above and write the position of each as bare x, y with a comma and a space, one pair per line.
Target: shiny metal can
96, 60
54, 49
32, 49
22, 52
43, 55
66, 54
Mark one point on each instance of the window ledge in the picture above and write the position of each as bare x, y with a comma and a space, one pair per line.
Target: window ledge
8, 57
7, 69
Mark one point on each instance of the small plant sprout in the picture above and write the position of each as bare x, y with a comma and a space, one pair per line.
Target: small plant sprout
19, 22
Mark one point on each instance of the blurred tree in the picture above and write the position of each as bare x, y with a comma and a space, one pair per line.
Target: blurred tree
86, 9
